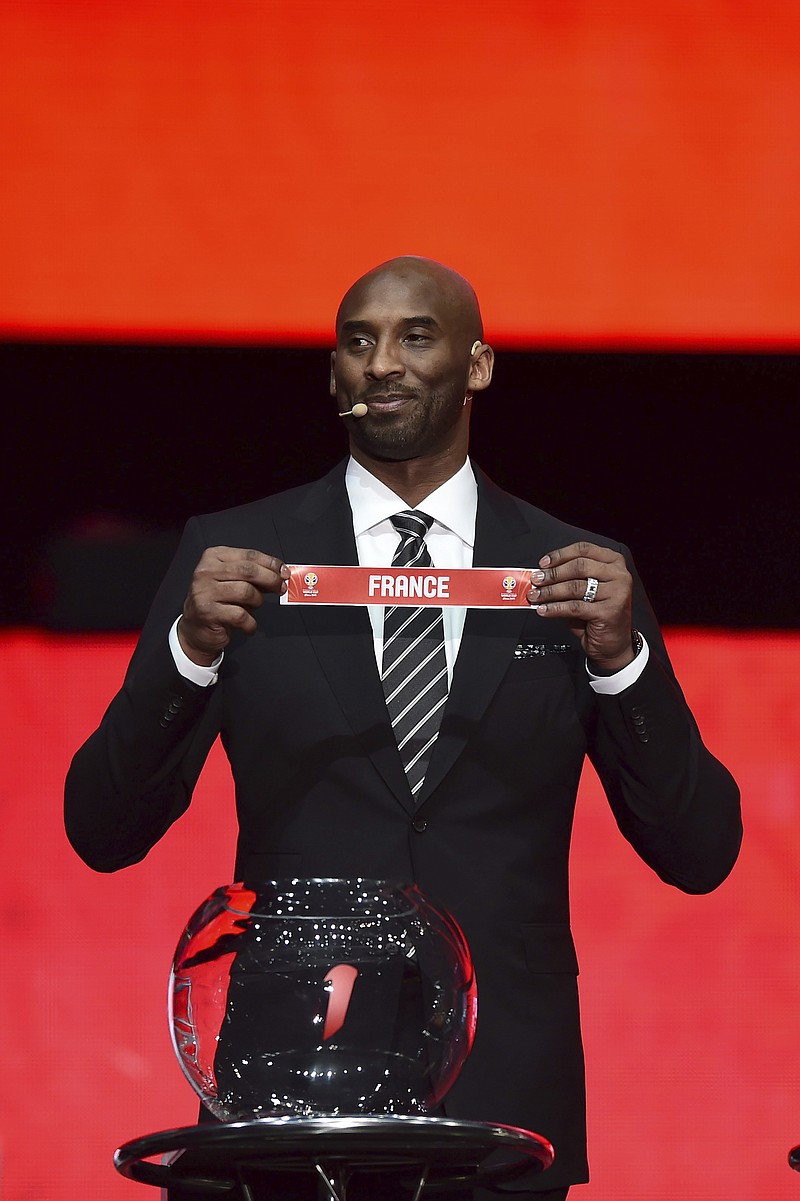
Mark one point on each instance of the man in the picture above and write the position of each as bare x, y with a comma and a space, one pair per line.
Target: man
481, 819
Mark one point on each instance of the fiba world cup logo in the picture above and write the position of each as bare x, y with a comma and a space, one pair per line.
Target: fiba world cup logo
310, 579
509, 583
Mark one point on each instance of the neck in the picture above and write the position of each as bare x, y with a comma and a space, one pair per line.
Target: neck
411, 479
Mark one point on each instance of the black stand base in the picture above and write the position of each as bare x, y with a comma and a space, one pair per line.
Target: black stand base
235, 1159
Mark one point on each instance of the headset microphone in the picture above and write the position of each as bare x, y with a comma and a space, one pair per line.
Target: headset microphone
359, 410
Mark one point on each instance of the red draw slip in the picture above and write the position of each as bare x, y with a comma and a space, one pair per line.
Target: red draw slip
470, 587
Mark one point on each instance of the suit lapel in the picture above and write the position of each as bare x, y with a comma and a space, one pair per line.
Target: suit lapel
320, 531
503, 538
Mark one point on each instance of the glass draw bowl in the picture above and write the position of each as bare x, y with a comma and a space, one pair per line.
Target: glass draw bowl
321, 997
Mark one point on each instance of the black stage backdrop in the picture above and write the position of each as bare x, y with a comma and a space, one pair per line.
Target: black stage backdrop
689, 458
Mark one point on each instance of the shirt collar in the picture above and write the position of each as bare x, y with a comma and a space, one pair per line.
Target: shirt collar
453, 504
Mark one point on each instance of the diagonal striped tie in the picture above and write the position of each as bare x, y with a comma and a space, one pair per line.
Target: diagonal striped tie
414, 670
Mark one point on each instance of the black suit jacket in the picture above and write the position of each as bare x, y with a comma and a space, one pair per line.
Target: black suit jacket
320, 790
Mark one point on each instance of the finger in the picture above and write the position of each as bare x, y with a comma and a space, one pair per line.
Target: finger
204, 635
212, 618
578, 550
246, 594
576, 609
587, 589
224, 563
580, 558
225, 554
231, 617
233, 562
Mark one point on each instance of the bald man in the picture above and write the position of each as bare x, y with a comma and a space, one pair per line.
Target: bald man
526, 694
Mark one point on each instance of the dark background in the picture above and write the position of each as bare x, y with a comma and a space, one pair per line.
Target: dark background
689, 458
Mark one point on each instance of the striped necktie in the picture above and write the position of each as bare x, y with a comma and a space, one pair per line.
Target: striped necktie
414, 672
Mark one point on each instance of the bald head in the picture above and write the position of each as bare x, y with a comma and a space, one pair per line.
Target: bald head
443, 288
409, 358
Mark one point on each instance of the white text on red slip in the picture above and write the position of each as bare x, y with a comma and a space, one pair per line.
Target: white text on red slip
409, 586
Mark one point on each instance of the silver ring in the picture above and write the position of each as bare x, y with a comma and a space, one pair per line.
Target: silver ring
591, 589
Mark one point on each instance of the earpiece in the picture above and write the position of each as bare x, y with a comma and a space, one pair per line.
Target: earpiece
475, 345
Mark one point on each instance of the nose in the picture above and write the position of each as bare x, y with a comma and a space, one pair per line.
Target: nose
385, 360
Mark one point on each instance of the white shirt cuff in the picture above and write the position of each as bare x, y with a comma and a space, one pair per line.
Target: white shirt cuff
204, 676
622, 679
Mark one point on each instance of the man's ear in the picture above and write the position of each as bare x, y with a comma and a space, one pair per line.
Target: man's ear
481, 368
333, 381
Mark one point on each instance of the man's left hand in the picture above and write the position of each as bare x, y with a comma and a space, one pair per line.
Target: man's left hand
590, 588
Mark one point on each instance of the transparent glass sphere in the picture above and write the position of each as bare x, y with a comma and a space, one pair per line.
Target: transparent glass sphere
319, 997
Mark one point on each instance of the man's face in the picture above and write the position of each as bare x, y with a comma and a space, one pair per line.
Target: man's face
403, 349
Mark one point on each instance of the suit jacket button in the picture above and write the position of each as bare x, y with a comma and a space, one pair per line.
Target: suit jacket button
419, 824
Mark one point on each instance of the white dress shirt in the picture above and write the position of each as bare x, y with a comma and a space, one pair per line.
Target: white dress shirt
451, 542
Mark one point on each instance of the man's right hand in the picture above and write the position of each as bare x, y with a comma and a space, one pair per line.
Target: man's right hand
227, 585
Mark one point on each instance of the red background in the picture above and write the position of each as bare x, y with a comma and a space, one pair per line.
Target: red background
607, 173
690, 1003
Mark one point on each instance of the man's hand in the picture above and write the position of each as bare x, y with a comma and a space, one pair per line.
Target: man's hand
228, 583
603, 624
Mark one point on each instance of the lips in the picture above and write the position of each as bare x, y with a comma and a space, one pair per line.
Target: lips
388, 401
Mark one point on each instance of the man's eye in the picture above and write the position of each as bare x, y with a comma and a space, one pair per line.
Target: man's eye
358, 342
418, 338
